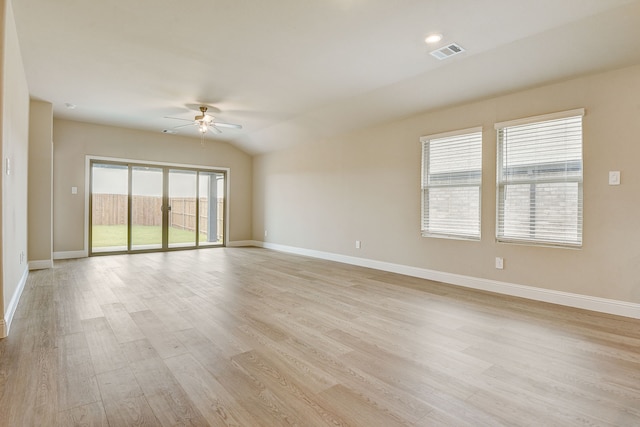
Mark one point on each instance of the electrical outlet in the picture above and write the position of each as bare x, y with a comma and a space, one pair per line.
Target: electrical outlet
265, 233
358, 244
614, 177
499, 263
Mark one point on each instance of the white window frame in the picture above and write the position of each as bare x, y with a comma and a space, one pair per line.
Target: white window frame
426, 186
501, 184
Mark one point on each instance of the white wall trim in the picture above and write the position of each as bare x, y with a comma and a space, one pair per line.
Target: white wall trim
13, 304
70, 254
243, 243
541, 118
450, 133
602, 305
40, 264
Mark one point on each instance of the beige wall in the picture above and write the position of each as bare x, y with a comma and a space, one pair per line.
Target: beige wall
15, 146
73, 141
40, 184
366, 186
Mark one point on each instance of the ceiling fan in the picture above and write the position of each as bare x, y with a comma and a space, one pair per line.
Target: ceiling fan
204, 122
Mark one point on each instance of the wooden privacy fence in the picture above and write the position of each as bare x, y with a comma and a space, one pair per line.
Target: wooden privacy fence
183, 214
111, 209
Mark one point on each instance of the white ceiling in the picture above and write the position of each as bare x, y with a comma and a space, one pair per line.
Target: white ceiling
293, 71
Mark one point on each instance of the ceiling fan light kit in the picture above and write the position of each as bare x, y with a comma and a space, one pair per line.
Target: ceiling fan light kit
204, 122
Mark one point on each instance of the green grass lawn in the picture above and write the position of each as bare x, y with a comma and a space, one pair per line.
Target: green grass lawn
116, 235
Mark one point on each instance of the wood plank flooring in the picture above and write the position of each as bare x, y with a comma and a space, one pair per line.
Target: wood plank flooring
251, 337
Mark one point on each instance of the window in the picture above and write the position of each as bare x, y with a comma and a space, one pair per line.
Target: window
540, 179
451, 181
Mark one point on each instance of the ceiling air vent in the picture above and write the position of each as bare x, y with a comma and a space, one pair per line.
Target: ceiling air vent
447, 51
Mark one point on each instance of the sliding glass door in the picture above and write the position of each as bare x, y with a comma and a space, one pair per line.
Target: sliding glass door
183, 185
109, 207
135, 207
146, 207
211, 197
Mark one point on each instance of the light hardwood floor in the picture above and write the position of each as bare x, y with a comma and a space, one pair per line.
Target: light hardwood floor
251, 337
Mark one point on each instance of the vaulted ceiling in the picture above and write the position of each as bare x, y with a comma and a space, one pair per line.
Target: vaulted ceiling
293, 71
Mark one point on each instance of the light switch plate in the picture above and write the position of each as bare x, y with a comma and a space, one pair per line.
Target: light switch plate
74, 190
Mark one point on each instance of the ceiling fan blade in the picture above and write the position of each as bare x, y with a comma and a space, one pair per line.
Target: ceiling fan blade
214, 128
227, 125
178, 118
182, 126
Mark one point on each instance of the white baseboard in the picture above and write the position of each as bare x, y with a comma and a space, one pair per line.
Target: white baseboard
242, 243
13, 305
602, 305
70, 255
40, 264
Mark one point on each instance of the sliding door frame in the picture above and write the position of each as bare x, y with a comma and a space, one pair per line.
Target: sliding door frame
89, 160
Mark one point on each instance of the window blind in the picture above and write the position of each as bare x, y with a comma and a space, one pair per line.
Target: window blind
540, 181
451, 182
